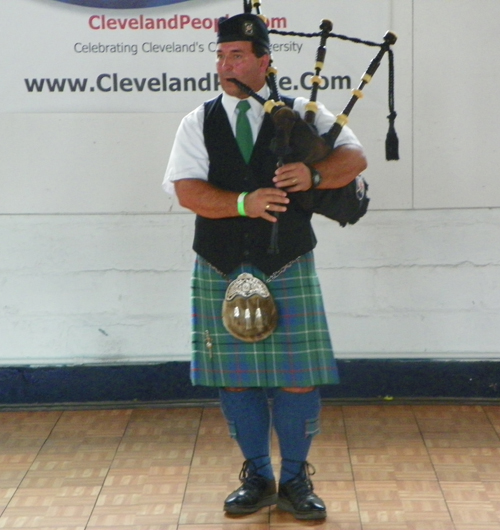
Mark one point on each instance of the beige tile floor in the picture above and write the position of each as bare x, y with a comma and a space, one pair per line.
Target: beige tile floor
379, 467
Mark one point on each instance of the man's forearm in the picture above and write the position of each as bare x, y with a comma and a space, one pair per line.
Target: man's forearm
205, 199
214, 203
342, 166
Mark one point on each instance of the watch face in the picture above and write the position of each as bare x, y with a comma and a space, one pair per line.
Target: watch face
316, 179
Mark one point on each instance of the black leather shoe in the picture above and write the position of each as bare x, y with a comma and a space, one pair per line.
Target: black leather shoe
255, 492
297, 496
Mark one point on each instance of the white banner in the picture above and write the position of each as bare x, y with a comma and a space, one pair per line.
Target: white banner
159, 55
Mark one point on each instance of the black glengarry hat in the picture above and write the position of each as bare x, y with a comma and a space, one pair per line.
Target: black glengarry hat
245, 27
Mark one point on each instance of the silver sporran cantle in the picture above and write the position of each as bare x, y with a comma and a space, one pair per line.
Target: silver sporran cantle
249, 312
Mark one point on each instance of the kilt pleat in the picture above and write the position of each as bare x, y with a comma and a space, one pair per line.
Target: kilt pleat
299, 352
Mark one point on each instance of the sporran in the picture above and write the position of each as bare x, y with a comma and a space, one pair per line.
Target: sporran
248, 311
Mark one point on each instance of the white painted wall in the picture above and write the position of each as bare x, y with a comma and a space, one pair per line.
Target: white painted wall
95, 259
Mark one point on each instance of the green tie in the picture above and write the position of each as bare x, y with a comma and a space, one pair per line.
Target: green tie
243, 130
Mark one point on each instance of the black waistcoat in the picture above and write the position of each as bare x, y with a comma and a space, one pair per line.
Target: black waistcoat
225, 243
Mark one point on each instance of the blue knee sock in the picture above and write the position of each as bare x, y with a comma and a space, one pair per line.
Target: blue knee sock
249, 420
296, 421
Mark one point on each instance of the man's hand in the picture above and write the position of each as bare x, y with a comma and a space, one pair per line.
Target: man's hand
293, 177
264, 201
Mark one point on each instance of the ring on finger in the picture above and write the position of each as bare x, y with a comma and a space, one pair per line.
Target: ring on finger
267, 206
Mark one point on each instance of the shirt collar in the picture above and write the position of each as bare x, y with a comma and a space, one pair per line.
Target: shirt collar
230, 102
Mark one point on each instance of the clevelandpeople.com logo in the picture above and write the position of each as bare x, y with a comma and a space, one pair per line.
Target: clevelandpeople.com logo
121, 4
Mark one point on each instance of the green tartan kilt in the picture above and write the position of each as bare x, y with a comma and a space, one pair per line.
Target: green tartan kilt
298, 353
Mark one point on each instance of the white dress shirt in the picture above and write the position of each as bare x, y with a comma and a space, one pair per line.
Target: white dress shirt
189, 157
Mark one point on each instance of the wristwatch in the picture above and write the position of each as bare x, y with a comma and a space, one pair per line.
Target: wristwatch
316, 177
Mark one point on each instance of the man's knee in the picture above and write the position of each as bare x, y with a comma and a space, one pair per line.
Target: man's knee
292, 390
299, 390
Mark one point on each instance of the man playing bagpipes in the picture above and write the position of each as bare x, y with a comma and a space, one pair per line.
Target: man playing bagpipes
260, 333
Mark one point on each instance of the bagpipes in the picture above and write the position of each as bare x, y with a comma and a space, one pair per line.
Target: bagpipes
297, 139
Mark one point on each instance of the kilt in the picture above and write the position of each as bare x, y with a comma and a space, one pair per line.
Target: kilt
297, 354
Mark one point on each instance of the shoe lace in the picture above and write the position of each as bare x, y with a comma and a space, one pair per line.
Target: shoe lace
302, 488
249, 473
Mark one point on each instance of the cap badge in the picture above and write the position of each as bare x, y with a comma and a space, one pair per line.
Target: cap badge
248, 29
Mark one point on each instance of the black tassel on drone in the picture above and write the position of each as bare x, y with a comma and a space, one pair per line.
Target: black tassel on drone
392, 140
